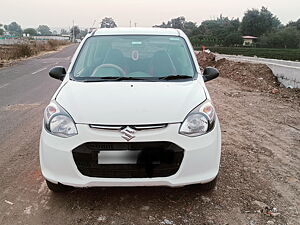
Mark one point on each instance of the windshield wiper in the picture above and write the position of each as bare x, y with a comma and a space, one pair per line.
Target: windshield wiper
129, 78
175, 77
97, 79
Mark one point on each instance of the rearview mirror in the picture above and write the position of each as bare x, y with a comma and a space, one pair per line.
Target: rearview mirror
58, 72
210, 73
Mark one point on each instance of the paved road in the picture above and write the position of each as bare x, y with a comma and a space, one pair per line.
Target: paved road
261, 60
27, 86
25, 90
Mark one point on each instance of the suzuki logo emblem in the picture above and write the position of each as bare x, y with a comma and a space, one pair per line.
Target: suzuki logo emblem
128, 133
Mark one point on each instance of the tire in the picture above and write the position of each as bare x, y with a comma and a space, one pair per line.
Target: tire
209, 186
58, 188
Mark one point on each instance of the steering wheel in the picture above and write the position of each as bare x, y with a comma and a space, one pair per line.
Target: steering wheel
108, 66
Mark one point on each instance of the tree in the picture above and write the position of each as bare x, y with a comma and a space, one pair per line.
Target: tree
288, 37
14, 29
44, 30
206, 40
218, 31
163, 25
108, 22
295, 24
83, 33
74, 31
257, 23
233, 39
220, 27
190, 28
1, 30
177, 23
187, 27
30, 31
63, 32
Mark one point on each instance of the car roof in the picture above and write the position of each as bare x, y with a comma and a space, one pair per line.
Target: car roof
137, 31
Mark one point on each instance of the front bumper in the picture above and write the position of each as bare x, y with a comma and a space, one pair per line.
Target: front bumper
200, 163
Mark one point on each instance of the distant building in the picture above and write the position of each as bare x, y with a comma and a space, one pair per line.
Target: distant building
249, 40
51, 37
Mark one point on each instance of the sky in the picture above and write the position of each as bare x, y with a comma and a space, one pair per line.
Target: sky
145, 13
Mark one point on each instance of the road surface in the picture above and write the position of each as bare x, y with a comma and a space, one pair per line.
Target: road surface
258, 182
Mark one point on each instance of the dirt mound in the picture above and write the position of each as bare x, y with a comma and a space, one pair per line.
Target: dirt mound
206, 59
251, 76
254, 76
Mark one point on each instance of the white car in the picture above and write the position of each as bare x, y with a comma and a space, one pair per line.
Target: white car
132, 110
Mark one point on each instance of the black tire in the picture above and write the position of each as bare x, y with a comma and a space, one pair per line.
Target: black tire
209, 186
58, 187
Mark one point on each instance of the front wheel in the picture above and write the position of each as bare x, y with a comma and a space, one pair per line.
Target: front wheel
58, 187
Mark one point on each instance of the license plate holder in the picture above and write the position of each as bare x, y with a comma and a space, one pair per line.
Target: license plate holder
118, 157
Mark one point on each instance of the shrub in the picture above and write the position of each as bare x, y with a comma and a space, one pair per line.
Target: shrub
53, 44
27, 49
22, 50
233, 39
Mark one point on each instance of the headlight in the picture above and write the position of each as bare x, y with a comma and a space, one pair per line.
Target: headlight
199, 121
58, 122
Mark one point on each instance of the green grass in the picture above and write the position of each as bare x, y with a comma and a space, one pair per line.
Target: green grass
271, 53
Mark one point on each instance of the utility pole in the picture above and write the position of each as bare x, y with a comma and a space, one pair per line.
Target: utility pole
129, 23
73, 32
94, 23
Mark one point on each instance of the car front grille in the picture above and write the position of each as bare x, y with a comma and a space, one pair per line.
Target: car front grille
155, 159
136, 127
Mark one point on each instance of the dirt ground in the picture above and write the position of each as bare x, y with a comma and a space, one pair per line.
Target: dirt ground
259, 181
261, 144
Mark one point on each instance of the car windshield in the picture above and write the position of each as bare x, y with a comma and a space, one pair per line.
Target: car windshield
140, 57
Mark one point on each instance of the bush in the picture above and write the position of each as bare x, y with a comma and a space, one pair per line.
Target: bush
205, 40
22, 50
233, 39
28, 49
53, 44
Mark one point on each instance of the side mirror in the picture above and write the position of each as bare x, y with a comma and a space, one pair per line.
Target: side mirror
58, 72
210, 73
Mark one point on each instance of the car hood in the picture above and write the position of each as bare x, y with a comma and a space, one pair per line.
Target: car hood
130, 103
